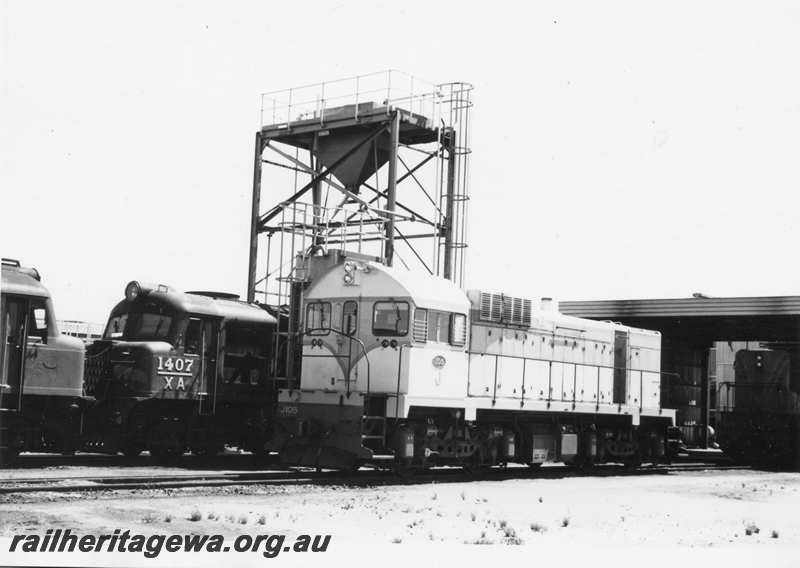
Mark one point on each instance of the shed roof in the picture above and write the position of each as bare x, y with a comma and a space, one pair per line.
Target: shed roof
686, 307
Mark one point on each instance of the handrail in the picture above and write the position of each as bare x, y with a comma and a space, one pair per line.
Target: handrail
349, 359
399, 369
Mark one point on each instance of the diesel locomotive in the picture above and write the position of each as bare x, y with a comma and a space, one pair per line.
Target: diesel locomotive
407, 369
41, 385
758, 415
179, 371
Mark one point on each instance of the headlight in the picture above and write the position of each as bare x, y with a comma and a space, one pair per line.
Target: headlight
132, 290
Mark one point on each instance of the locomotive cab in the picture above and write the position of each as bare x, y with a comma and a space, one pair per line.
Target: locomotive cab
177, 371
371, 335
42, 370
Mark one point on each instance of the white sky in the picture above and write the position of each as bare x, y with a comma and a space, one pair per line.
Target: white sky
620, 149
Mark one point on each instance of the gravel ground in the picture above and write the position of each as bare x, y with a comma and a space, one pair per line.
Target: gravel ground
748, 513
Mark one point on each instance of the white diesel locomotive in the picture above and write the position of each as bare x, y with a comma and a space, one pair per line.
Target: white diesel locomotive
409, 368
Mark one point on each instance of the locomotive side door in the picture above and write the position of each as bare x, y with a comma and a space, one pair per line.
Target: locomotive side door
202, 339
620, 367
14, 331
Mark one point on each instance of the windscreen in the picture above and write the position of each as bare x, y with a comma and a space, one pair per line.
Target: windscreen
139, 326
390, 318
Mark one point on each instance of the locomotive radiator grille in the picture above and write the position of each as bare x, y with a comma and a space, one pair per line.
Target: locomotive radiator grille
98, 365
505, 309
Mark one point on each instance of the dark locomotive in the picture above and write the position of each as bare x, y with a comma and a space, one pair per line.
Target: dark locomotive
758, 416
180, 371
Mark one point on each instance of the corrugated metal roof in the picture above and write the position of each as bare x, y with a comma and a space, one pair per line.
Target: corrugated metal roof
685, 307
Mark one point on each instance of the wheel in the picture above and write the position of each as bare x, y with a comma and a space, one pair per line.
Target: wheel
632, 462
474, 464
166, 441
162, 455
131, 450
404, 470
209, 450
7, 457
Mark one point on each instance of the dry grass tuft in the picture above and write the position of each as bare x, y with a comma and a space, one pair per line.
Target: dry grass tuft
751, 529
481, 540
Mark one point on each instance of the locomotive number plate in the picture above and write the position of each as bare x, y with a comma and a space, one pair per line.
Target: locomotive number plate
288, 410
175, 366
175, 371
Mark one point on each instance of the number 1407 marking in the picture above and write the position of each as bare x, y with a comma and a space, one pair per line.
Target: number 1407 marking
176, 365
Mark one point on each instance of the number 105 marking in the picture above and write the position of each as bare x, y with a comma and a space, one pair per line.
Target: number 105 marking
177, 364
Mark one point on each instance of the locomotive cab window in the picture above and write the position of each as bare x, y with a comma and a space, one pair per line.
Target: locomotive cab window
154, 326
116, 326
390, 318
350, 318
194, 337
245, 354
318, 318
37, 322
151, 324
439, 327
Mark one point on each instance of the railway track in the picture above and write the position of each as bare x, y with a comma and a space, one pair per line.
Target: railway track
77, 484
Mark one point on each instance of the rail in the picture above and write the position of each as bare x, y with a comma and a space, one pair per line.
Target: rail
382, 476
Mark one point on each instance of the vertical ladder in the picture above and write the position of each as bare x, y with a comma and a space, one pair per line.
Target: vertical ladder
373, 422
